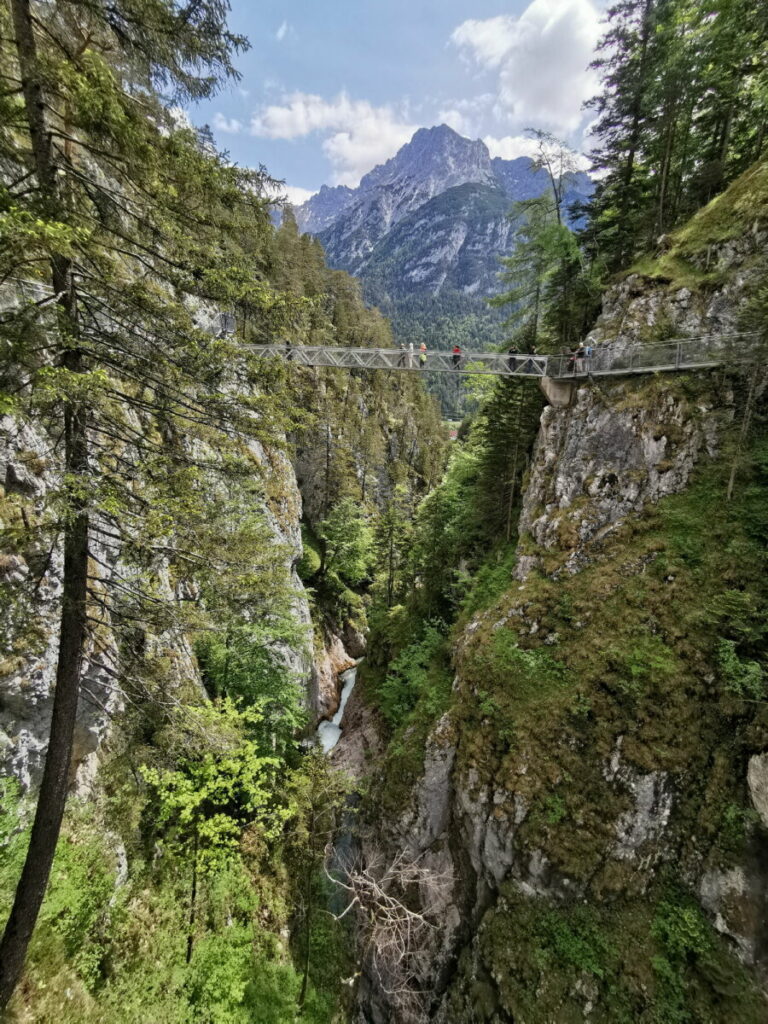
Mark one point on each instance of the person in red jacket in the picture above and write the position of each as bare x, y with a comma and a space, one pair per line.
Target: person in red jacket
456, 357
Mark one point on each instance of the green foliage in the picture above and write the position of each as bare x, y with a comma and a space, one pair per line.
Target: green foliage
635, 964
523, 674
648, 664
576, 940
347, 540
553, 286
14, 836
311, 556
736, 824
416, 676
220, 784
244, 663
490, 581
81, 902
679, 117
744, 679
223, 987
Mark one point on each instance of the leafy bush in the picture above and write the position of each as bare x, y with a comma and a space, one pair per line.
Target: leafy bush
417, 674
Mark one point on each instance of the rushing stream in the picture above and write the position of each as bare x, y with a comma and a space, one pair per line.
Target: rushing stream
328, 733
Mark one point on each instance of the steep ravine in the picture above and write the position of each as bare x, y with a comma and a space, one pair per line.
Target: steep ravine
593, 806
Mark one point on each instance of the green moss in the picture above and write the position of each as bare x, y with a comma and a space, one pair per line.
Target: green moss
655, 961
311, 556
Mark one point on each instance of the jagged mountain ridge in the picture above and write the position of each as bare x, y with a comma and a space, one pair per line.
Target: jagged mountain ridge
396, 211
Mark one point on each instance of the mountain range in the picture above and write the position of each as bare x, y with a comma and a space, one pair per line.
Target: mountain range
432, 219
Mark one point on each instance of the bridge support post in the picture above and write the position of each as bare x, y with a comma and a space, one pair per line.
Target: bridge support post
559, 393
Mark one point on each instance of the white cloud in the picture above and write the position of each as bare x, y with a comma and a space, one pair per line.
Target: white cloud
541, 59
296, 195
454, 119
229, 125
282, 32
511, 146
358, 135
463, 115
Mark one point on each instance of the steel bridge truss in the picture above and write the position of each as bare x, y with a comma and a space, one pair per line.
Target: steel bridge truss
662, 357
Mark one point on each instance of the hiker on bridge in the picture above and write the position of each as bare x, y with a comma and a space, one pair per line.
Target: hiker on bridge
410, 355
422, 356
512, 358
529, 366
401, 357
576, 362
456, 356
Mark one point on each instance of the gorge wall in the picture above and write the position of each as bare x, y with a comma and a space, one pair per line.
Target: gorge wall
591, 810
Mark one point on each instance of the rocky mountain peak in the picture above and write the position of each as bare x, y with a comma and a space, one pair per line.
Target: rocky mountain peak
436, 158
322, 209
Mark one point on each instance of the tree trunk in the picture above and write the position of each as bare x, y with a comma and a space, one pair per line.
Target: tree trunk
55, 782
666, 164
192, 899
308, 914
634, 132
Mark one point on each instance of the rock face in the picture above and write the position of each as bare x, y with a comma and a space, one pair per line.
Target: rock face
30, 627
30, 636
589, 808
323, 208
605, 459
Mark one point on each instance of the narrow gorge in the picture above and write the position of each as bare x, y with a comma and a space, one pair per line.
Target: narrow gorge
436, 692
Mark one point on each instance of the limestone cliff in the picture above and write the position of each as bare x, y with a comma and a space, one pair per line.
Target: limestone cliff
31, 587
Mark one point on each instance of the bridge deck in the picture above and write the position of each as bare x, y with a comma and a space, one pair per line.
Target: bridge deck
664, 357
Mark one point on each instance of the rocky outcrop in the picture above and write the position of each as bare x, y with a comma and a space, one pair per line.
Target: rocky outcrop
360, 744
605, 458
325, 689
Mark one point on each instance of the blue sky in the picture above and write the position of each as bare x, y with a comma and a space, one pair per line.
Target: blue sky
331, 88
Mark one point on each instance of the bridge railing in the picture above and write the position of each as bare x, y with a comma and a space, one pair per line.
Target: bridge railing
672, 354
396, 359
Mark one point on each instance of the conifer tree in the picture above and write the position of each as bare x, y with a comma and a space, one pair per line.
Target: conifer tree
126, 222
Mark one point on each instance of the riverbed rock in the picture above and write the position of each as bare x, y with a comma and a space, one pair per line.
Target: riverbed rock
360, 744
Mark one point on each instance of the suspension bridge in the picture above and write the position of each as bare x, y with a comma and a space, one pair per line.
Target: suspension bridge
604, 360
